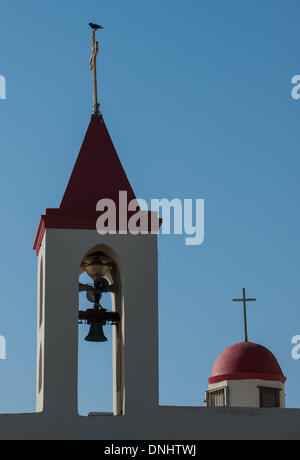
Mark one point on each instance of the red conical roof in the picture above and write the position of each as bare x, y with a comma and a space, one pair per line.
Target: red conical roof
244, 361
98, 172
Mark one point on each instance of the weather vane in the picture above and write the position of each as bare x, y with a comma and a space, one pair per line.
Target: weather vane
245, 300
93, 66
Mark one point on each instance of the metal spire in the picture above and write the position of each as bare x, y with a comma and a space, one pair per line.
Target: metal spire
93, 67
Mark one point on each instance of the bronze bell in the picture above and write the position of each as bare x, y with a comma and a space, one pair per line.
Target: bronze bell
96, 333
97, 265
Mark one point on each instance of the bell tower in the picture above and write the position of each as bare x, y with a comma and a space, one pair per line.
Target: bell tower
68, 242
65, 241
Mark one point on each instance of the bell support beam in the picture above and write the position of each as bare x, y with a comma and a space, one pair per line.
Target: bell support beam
99, 316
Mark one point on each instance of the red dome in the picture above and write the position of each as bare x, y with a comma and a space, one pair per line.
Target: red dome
246, 360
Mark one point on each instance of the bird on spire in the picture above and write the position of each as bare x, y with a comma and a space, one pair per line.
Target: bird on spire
95, 26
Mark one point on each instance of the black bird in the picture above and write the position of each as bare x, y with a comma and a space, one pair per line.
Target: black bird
95, 26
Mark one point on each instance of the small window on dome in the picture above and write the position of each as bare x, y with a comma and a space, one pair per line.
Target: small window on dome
217, 398
269, 397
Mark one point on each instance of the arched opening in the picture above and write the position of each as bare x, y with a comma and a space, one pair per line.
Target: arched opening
100, 344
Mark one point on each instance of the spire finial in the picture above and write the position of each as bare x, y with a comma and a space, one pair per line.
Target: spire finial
93, 67
245, 300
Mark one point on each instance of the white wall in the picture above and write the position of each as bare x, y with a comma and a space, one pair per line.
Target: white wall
136, 256
172, 423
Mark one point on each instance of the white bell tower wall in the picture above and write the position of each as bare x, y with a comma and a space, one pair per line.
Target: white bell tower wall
135, 342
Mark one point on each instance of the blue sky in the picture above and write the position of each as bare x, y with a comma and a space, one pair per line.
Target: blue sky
197, 98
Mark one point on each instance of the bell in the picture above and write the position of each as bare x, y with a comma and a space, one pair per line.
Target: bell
97, 265
96, 333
